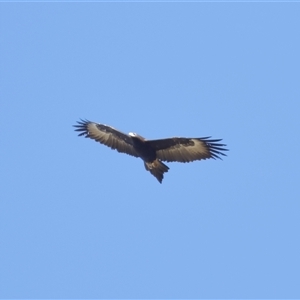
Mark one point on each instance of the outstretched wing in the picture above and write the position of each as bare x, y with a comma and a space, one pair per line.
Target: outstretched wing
106, 135
187, 149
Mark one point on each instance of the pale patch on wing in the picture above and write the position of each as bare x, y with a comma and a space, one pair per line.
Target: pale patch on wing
110, 139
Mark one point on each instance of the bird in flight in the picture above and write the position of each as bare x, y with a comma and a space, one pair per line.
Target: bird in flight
152, 152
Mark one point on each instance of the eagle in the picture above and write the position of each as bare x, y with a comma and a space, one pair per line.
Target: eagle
152, 152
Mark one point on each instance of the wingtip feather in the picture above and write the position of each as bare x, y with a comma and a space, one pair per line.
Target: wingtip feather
81, 127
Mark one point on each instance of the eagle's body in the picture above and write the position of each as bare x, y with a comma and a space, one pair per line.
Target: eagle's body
152, 152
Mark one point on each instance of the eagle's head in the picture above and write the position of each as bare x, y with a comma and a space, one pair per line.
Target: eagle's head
136, 136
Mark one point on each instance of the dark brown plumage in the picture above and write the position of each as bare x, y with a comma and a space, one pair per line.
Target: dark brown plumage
152, 152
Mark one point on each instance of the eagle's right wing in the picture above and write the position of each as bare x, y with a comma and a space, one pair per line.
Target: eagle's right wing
107, 136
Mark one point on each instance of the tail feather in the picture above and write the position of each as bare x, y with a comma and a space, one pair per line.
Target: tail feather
157, 169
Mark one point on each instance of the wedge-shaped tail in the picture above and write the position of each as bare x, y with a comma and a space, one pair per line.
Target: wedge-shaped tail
157, 169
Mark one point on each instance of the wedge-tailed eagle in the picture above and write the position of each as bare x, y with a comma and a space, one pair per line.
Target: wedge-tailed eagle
152, 152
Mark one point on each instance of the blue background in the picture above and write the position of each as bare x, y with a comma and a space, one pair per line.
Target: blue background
80, 220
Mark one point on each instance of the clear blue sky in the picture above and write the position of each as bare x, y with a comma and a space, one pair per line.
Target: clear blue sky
80, 220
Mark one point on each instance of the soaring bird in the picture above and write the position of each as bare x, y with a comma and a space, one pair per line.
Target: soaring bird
152, 152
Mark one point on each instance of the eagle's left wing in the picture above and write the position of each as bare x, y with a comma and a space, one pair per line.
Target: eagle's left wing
187, 149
